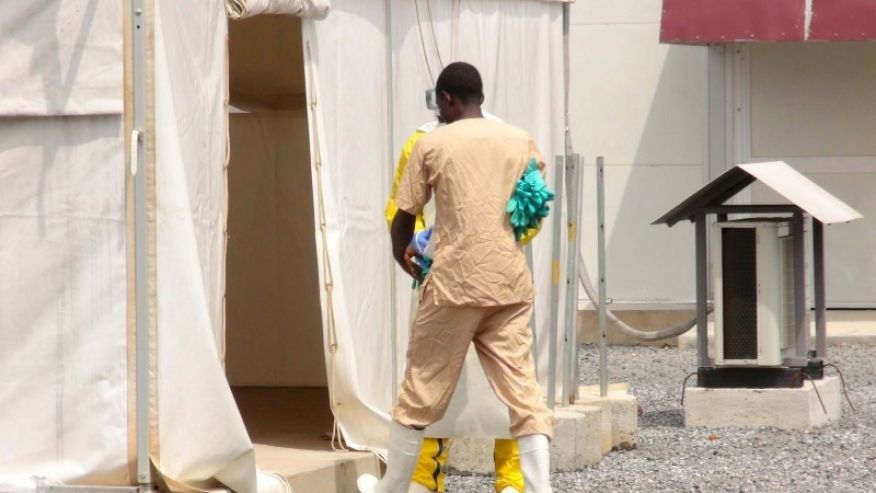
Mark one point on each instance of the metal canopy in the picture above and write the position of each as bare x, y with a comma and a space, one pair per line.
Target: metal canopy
777, 175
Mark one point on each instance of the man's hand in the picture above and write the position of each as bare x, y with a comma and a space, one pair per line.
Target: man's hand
410, 266
402, 232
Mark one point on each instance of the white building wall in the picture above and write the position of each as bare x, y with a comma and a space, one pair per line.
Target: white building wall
643, 106
812, 105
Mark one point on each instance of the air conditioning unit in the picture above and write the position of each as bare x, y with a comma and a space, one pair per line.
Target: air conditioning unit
753, 262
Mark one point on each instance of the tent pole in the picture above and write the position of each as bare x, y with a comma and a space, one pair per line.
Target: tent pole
390, 128
138, 165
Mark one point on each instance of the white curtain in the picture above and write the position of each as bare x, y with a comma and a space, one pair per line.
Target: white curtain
517, 45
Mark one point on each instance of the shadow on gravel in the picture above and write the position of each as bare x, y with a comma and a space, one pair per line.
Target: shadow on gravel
673, 418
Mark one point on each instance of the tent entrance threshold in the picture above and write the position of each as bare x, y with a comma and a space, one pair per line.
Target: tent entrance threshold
288, 426
52, 488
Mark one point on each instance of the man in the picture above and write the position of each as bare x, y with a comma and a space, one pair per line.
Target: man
479, 289
429, 471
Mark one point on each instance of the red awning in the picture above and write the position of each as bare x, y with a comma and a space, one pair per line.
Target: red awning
843, 20
728, 21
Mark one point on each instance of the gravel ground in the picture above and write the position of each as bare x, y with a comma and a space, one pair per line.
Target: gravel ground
840, 457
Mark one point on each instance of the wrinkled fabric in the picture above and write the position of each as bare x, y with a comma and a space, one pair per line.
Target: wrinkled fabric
440, 338
472, 166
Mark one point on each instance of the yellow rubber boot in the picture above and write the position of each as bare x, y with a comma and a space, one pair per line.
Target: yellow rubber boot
509, 476
429, 472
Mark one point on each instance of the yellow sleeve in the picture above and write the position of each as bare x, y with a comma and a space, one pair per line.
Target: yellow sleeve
391, 208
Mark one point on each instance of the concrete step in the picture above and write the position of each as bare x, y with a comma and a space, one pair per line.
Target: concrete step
583, 433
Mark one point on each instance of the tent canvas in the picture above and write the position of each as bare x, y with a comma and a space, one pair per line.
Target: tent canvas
359, 124
68, 393
66, 226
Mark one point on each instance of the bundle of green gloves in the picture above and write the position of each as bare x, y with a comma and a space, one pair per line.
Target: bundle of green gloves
528, 204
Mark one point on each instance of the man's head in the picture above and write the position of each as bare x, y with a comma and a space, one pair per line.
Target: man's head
460, 92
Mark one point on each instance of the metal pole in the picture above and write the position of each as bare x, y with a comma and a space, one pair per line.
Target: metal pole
600, 234
393, 282
567, 133
702, 293
141, 280
818, 280
556, 236
532, 322
570, 355
802, 329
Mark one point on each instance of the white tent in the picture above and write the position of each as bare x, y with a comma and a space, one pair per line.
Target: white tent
67, 249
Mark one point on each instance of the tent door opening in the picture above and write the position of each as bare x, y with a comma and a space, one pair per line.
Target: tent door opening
274, 355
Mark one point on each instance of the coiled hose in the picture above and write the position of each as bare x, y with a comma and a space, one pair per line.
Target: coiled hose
626, 329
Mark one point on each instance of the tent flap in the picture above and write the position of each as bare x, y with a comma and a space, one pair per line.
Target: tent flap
310, 9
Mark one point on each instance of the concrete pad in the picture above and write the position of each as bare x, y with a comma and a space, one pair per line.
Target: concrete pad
622, 411
604, 406
588, 436
791, 409
563, 446
576, 444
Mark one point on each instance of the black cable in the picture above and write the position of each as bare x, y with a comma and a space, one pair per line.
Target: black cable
817, 393
843, 381
684, 386
423, 41
434, 37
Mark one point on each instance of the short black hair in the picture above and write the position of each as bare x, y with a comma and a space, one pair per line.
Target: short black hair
461, 80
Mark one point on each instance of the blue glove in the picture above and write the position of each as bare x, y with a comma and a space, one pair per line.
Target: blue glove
419, 243
421, 239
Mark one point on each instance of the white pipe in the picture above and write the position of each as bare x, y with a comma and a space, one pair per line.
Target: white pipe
666, 333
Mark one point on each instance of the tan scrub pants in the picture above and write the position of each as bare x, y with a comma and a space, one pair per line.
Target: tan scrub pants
440, 338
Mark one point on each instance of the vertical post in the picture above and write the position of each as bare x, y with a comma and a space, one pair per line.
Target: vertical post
801, 327
141, 280
390, 153
702, 293
600, 233
532, 321
818, 280
567, 133
556, 236
570, 355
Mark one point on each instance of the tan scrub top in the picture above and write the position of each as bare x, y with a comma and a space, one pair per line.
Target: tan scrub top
471, 166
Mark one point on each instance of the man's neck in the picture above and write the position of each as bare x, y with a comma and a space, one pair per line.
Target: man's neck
472, 112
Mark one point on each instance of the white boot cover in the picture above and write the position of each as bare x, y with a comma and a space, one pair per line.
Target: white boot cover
418, 488
535, 462
404, 449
